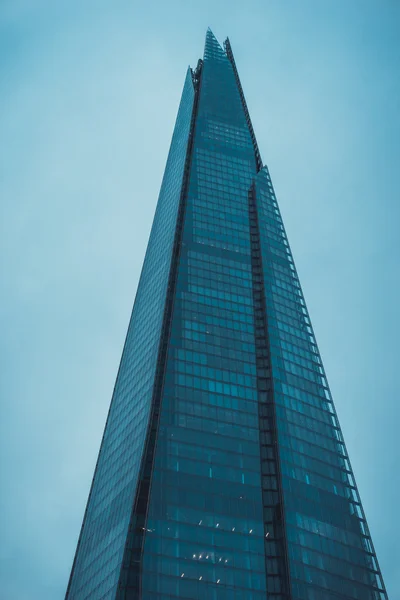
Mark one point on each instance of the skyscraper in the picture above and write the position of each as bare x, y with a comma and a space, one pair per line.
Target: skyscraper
222, 473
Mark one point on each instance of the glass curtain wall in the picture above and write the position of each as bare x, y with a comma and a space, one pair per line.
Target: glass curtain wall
222, 474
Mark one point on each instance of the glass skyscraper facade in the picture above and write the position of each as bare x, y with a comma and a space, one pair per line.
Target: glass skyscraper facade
222, 473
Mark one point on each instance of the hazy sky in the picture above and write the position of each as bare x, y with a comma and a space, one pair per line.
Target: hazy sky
88, 97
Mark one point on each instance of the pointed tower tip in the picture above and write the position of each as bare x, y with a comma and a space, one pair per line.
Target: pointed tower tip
209, 33
212, 45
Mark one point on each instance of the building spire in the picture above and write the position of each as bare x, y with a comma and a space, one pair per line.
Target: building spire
213, 48
229, 53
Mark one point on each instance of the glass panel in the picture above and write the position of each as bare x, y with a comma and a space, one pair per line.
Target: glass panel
330, 549
205, 532
102, 541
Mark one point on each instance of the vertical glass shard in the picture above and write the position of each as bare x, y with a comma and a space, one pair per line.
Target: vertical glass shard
212, 48
330, 549
104, 531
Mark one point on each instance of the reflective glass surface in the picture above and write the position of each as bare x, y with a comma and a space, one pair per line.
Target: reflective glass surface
205, 533
330, 549
101, 546
222, 474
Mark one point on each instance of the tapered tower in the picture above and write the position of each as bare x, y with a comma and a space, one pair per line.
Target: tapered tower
222, 473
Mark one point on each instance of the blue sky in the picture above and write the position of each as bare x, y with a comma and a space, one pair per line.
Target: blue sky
88, 98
